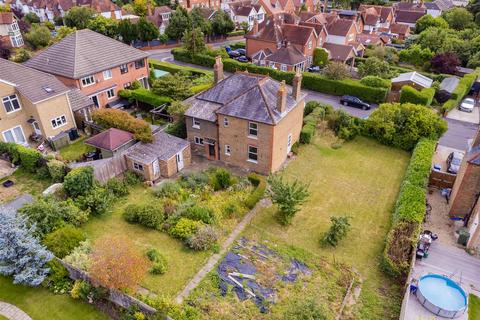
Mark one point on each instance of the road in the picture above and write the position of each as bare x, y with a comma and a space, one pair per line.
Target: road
456, 137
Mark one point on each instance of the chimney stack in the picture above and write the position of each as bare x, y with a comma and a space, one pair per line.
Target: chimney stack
282, 98
297, 85
218, 70
255, 27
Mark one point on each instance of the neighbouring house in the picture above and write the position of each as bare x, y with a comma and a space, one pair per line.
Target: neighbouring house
163, 157
413, 79
246, 120
408, 12
33, 104
438, 7
111, 142
341, 53
10, 34
190, 4
245, 11
367, 39
49, 10
342, 31
271, 7
160, 17
287, 58
376, 17
400, 31
447, 86
95, 64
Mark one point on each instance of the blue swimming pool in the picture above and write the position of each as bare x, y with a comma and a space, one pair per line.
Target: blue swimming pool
441, 296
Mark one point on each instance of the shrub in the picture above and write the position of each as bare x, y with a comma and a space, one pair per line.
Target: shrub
343, 124
258, 193
338, 230
203, 239
79, 181
150, 215
131, 178
61, 242
80, 257
199, 213
412, 95
254, 179
29, 158
58, 280
307, 133
97, 201
113, 118
177, 129
117, 187
160, 264
320, 57
185, 228
376, 82
168, 189
57, 170
220, 179
194, 180
460, 91
145, 96
336, 71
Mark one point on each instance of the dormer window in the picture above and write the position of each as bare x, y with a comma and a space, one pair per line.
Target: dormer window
88, 81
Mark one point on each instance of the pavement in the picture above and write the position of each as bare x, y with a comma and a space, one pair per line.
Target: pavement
11, 312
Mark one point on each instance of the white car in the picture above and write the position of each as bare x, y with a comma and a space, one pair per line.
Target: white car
467, 105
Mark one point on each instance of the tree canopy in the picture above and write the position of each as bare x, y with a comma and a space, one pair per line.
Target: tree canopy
107, 27
79, 17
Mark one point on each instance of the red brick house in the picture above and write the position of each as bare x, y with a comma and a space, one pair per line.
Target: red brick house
376, 17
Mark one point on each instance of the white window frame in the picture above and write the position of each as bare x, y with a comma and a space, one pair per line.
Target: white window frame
14, 135
59, 121
283, 67
107, 74
250, 152
135, 63
226, 122
228, 150
255, 136
198, 141
143, 81
195, 123
138, 167
110, 94
127, 85
88, 81
10, 99
123, 66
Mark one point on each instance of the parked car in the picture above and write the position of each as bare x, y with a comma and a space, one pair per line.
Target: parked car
242, 51
354, 102
314, 69
242, 59
232, 53
467, 105
454, 161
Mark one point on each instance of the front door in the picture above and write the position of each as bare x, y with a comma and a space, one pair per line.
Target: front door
95, 101
36, 128
179, 157
211, 150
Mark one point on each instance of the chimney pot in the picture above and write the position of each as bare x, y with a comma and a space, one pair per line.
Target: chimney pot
218, 70
282, 97
297, 85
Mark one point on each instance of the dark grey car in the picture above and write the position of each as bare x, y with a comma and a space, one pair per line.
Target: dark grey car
454, 161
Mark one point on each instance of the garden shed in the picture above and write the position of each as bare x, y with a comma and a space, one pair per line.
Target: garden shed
447, 86
111, 142
413, 79
163, 157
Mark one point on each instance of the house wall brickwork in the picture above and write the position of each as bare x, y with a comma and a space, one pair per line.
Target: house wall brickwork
465, 190
207, 130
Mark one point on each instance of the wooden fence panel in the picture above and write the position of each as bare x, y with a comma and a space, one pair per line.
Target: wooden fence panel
105, 169
441, 179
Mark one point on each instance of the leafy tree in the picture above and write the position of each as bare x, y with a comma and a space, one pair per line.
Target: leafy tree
116, 264
176, 86
428, 21
21, 254
416, 55
194, 41
474, 61
147, 31
222, 23
31, 18
79, 17
140, 7
127, 31
433, 38
62, 241
477, 19
244, 26
113, 118
374, 67
198, 21
64, 31
39, 36
338, 230
79, 181
287, 196
49, 214
21, 55
320, 57
336, 71
5, 8
180, 21
461, 48
445, 63
458, 18
177, 109
105, 26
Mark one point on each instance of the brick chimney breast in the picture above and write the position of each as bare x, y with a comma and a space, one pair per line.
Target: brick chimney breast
255, 27
218, 70
297, 85
282, 98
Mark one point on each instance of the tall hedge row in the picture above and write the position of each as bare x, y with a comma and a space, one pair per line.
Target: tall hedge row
460, 91
310, 81
28, 158
145, 96
412, 95
409, 211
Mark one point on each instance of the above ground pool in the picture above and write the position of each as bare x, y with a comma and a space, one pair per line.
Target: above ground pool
442, 296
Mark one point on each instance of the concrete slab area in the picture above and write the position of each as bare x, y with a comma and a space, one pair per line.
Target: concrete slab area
472, 117
441, 154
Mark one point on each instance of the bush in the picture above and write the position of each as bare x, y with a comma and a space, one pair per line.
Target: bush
375, 82
145, 96
79, 181
113, 118
194, 180
343, 124
58, 280
150, 215
29, 158
204, 239
412, 95
117, 187
220, 179
57, 170
80, 257
236, 33
199, 213
258, 193
254, 179
185, 228
338, 230
62, 241
132, 178
160, 264
97, 201
168, 189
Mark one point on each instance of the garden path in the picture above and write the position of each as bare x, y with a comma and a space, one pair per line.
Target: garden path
12, 313
213, 260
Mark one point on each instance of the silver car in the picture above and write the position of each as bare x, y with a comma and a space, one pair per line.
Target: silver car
454, 161
467, 105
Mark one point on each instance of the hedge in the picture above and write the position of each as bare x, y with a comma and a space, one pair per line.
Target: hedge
310, 81
460, 91
238, 45
28, 158
236, 33
201, 87
257, 194
145, 96
114, 118
409, 211
409, 94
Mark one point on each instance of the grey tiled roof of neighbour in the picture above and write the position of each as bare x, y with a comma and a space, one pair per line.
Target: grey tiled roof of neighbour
242, 95
474, 156
163, 147
78, 100
83, 53
33, 84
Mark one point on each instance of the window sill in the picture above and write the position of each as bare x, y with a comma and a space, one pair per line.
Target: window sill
227, 154
196, 127
16, 110
253, 137
252, 161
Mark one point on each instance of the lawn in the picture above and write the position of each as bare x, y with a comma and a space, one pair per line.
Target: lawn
25, 182
360, 180
75, 151
41, 304
473, 307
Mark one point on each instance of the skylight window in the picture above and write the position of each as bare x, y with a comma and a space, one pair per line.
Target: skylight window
48, 89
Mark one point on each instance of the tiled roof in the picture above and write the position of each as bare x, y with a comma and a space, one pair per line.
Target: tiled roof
84, 53
473, 156
444, 4
415, 77
409, 6
399, 28
431, 6
340, 27
156, 16
274, 29
110, 139
369, 39
6, 18
449, 84
163, 147
408, 16
339, 52
33, 84
289, 55
78, 100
